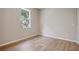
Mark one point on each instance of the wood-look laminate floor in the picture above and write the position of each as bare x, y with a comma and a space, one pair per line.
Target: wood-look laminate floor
41, 43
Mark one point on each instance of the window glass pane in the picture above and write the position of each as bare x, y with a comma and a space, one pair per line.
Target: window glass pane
25, 18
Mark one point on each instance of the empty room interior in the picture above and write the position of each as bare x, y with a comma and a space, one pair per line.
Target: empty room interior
39, 29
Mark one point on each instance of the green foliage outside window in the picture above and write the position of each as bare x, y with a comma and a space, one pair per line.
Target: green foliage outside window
25, 20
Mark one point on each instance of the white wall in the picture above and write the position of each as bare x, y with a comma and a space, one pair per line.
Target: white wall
59, 23
78, 24
1, 25
13, 30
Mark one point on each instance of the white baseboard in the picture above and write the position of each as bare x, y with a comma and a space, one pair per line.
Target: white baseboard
60, 38
21, 39
24, 38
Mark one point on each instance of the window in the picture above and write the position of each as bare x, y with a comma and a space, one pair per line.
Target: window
26, 17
